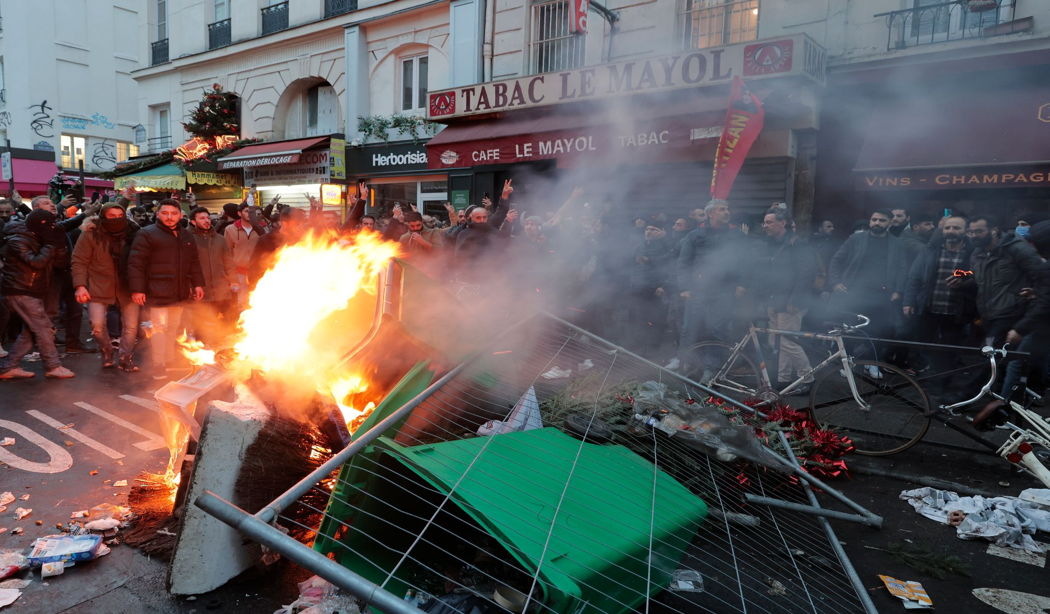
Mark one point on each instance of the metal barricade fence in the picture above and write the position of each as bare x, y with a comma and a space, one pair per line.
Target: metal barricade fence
424, 504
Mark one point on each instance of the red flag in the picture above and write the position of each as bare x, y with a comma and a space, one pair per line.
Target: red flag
744, 120
578, 16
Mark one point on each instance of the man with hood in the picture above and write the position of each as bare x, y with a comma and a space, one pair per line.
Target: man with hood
939, 311
164, 271
650, 282
31, 249
1032, 333
100, 278
1003, 265
209, 314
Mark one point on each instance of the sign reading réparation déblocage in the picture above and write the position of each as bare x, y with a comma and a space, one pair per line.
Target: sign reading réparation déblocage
795, 55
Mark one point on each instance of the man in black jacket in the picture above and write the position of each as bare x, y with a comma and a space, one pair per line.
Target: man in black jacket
164, 271
32, 247
651, 274
939, 311
790, 269
867, 276
1032, 333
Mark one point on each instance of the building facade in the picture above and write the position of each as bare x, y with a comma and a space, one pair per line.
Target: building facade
66, 86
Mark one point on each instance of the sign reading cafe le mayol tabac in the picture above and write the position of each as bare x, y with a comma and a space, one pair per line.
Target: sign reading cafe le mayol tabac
795, 55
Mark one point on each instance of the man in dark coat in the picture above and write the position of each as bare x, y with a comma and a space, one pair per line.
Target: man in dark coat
214, 314
100, 279
29, 256
1032, 333
789, 270
710, 277
164, 272
867, 276
650, 284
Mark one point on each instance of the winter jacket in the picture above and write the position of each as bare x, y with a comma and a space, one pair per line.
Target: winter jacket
711, 258
847, 261
95, 268
216, 263
788, 269
1038, 314
825, 246
27, 263
164, 265
918, 292
913, 245
241, 244
1001, 274
651, 267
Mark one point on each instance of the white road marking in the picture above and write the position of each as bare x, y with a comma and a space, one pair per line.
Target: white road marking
149, 404
75, 434
60, 459
153, 441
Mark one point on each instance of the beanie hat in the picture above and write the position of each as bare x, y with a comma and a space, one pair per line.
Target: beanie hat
535, 219
1039, 235
230, 210
39, 222
655, 224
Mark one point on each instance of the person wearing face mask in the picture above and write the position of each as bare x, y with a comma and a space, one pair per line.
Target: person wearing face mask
1003, 266
481, 237
100, 280
424, 247
867, 276
938, 310
32, 247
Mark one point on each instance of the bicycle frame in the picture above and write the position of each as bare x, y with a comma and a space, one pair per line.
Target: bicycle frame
721, 378
1018, 447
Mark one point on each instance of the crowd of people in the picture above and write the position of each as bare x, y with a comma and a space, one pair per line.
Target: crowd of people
654, 284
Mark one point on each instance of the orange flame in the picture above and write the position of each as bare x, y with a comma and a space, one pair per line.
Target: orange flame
346, 392
195, 351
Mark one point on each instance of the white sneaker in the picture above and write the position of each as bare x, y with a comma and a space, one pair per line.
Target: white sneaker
673, 365
59, 373
842, 373
873, 372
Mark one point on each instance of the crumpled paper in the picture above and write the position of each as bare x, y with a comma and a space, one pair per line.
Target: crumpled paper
1005, 521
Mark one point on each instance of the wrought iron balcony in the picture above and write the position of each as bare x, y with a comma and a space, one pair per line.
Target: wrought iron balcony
274, 18
338, 7
158, 52
158, 144
219, 34
947, 21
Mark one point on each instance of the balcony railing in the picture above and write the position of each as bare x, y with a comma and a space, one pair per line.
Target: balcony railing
710, 23
158, 144
947, 21
338, 7
158, 52
274, 18
219, 34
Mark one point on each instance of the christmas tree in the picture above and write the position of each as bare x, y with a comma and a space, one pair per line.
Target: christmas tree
216, 115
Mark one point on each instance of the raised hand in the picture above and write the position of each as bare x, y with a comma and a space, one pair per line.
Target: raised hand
507, 190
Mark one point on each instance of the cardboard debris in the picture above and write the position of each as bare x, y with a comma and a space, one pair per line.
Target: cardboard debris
911, 592
22, 512
7, 441
9, 596
120, 483
6, 498
24, 498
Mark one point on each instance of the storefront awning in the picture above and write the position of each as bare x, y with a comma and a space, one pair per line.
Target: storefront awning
269, 154
33, 175
947, 140
165, 177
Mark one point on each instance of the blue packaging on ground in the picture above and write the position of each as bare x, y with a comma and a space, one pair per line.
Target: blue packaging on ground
65, 548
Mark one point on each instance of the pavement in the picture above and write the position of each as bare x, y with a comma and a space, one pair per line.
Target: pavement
105, 421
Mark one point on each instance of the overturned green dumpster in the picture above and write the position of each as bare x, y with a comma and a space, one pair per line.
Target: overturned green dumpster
596, 527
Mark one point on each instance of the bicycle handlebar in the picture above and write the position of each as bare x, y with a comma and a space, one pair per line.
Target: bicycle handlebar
992, 353
863, 321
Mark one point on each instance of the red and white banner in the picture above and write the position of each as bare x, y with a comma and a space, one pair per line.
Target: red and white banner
744, 120
578, 16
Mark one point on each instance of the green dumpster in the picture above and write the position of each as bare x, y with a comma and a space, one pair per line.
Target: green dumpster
599, 549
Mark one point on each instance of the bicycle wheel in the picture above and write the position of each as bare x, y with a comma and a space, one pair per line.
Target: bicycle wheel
740, 377
897, 418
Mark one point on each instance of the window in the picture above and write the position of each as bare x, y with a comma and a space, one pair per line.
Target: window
72, 151
126, 150
222, 10
163, 127
414, 79
162, 19
711, 23
553, 47
321, 110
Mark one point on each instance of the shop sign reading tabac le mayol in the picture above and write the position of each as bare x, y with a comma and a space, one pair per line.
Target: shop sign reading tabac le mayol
781, 57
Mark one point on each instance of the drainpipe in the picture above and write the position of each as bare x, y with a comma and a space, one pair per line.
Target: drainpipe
489, 29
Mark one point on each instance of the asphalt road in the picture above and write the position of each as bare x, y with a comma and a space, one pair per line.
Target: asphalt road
114, 431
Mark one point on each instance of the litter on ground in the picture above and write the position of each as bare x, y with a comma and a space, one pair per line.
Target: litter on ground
1005, 521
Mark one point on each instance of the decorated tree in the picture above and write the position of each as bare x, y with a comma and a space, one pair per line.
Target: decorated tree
216, 115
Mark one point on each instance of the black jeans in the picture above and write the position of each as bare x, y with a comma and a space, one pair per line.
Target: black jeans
944, 330
61, 290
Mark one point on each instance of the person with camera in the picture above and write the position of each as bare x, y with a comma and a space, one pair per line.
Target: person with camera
164, 271
32, 248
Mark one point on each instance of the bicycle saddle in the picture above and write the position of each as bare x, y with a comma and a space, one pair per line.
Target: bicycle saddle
992, 415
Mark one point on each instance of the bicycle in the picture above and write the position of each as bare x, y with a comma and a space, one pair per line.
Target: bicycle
1002, 414
879, 406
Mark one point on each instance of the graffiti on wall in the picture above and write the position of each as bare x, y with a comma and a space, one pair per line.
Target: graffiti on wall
42, 121
104, 154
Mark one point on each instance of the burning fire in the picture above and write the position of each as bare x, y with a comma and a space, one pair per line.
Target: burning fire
194, 351
346, 391
281, 331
